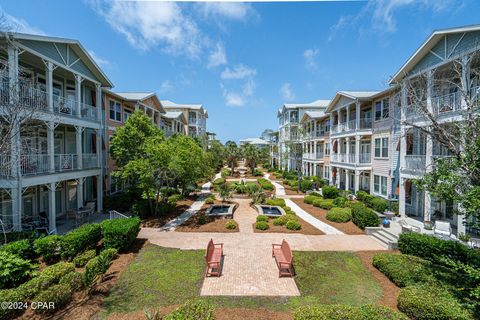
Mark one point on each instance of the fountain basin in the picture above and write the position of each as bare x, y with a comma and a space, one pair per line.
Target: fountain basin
271, 211
221, 210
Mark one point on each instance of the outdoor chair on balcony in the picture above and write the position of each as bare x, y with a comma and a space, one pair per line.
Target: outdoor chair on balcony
407, 228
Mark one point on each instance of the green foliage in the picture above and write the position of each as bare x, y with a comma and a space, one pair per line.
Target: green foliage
276, 202
219, 181
209, 201
110, 253
363, 217
310, 198
59, 294
261, 217
289, 175
74, 280
256, 193
79, 240
202, 219
22, 248
11, 295
225, 172
375, 203
14, 270
192, 310
120, 233
431, 302
265, 184
49, 276
344, 312
231, 225
330, 192
48, 247
436, 250
326, 204
95, 269
340, 202
261, 225
282, 220
293, 225
339, 214
306, 185
394, 207
224, 191
82, 259
173, 199
362, 195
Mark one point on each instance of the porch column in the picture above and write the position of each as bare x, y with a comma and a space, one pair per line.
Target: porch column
331, 122
357, 115
52, 217
347, 179
315, 169
401, 198
80, 192
16, 195
78, 94
347, 152
78, 144
357, 149
348, 118
100, 132
49, 83
460, 221
337, 181
357, 181
51, 145
158, 119
100, 193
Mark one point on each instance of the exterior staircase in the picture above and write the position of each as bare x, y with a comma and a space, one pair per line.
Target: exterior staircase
384, 236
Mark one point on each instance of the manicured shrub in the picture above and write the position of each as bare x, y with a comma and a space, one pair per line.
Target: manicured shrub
209, 201
120, 233
14, 270
48, 247
58, 270
173, 199
59, 294
340, 202
431, 302
22, 248
282, 220
202, 219
261, 225
192, 310
339, 215
362, 195
363, 217
310, 198
110, 253
79, 240
326, 204
95, 269
404, 270
306, 185
345, 312
265, 184
435, 249
74, 280
82, 259
276, 202
11, 295
293, 225
330, 192
377, 204
261, 217
316, 194
231, 225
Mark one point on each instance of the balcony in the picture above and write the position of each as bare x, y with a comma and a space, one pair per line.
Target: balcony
451, 102
350, 158
365, 123
415, 163
313, 156
36, 99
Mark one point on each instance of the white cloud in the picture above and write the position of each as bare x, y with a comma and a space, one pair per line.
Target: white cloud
310, 56
14, 24
239, 98
166, 86
287, 92
217, 56
147, 24
99, 60
230, 10
240, 71
233, 99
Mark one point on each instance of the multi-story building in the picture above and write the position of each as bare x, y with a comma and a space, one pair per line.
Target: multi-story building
195, 114
272, 139
289, 132
315, 143
52, 162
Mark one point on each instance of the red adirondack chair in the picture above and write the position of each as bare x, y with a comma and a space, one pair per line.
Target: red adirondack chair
283, 256
213, 257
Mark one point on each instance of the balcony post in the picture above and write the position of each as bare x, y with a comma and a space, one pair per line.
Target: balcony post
401, 198
100, 193
430, 91
80, 192
347, 179
49, 83
78, 144
331, 123
98, 101
51, 145
347, 151
357, 181
52, 216
357, 149
16, 196
348, 118
357, 114
78, 94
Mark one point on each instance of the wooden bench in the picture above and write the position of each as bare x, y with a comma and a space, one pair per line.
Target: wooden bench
213, 257
283, 256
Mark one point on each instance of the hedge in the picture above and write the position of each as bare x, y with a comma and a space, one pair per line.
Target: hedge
282, 220
345, 312
339, 214
431, 302
310, 198
363, 217
404, 270
340, 202
219, 181
330, 192
82, 259
262, 217
192, 310
48, 247
276, 202
261, 225
80, 239
11, 295
14, 270
326, 204
306, 185
293, 225
120, 233
74, 280
434, 249
59, 294
22, 248
265, 184
377, 204
49, 276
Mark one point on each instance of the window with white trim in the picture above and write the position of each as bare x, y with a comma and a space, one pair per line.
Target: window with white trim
382, 109
326, 172
115, 110
327, 148
380, 185
381, 147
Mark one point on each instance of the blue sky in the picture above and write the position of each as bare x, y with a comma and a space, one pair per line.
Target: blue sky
242, 61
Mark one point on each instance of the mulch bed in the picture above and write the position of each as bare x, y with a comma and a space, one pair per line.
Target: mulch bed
85, 306
347, 227
158, 222
307, 228
389, 289
212, 225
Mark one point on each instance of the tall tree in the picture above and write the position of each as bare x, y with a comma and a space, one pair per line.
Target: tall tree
251, 154
232, 154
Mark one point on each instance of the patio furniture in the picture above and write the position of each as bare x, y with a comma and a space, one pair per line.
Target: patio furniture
283, 257
213, 258
442, 228
406, 227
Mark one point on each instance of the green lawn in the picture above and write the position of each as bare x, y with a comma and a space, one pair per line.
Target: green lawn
162, 276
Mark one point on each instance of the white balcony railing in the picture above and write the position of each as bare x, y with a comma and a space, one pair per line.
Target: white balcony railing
447, 103
34, 164
365, 158
5, 166
89, 161
65, 162
365, 123
415, 162
352, 125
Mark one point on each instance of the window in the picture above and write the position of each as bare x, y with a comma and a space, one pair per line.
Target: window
382, 109
126, 115
327, 149
376, 184
381, 147
115, 110
384, 185
380, 185
326, 172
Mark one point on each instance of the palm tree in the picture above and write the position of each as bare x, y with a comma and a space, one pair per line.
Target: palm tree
232, 154
251, 155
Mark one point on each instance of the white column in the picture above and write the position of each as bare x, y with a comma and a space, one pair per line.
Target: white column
100, 193
357, 181
80, 192
16, 194
78, 145
49, 83
331, 122
348, 118
357, 149
347, 152
401, 198
98, 102
428, 148
52, 217
357, 115
338, 177
403, 148
100, 132
51, 145
78, 94
315, 169
347, 179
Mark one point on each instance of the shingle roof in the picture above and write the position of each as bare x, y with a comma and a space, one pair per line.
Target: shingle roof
135, 95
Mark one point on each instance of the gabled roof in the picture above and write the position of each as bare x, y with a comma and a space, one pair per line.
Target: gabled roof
174, 115
167, 104
135, 96
352, 95
312, 105
313, 115
425, 48
76, 46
